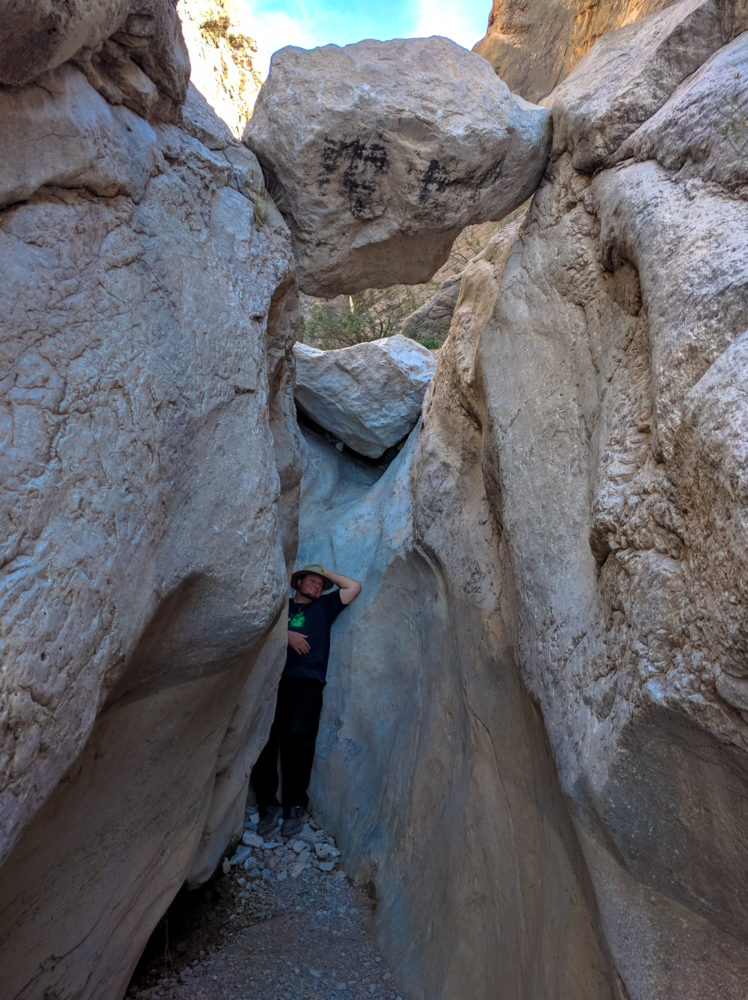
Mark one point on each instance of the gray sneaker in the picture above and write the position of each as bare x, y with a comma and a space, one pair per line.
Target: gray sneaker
293, 822
270, 822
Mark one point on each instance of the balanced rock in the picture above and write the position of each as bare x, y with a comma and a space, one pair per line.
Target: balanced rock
368, 395
395, 149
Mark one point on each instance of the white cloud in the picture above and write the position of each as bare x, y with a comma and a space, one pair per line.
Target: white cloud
464, 23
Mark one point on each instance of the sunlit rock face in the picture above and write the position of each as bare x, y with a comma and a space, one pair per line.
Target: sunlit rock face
149, 477
222, 57
534, 44
397, 147
368, 395
573, 506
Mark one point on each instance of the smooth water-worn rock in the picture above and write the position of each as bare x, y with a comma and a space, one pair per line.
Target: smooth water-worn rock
417, 667
575, 499
431, 757
620, 496
368, 395
149, 475
397, 147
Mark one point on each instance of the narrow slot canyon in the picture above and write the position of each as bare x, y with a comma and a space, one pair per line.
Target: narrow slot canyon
464, 328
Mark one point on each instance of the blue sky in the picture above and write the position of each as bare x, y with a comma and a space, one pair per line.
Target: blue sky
308, 23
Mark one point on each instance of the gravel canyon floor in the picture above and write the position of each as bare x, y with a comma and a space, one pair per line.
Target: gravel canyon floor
281, 922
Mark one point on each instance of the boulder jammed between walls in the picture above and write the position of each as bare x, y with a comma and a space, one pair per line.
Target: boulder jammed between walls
146, 330
397, 147
368, 395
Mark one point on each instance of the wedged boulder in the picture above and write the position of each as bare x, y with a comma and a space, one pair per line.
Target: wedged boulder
397, 147
148, 495
368, 395
629, 74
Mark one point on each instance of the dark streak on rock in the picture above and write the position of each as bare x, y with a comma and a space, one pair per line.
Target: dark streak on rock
437, 179
363, 162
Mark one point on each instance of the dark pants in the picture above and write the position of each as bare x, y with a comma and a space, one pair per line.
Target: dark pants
293, 735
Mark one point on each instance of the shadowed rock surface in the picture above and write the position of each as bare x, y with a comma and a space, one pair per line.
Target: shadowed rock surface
398, 147
131, 51
566, 499
135, 599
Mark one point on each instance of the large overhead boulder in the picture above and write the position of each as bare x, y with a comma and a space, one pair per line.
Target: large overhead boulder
395, 148
368, 395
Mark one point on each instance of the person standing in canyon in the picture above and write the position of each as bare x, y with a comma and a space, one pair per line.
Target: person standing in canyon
311, 613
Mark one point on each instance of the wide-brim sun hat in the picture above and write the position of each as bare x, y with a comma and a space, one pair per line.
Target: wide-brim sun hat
297, 575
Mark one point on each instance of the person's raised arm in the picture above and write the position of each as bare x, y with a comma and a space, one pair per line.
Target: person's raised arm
349, 589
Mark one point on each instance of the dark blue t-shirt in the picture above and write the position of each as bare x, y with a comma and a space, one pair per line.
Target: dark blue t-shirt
313, 620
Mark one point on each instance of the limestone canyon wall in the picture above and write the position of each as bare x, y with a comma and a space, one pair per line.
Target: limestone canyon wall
564, 539
534, 44
432, 762
147, 324
222, 57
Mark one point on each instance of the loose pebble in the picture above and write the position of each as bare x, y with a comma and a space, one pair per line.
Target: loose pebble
268, 882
